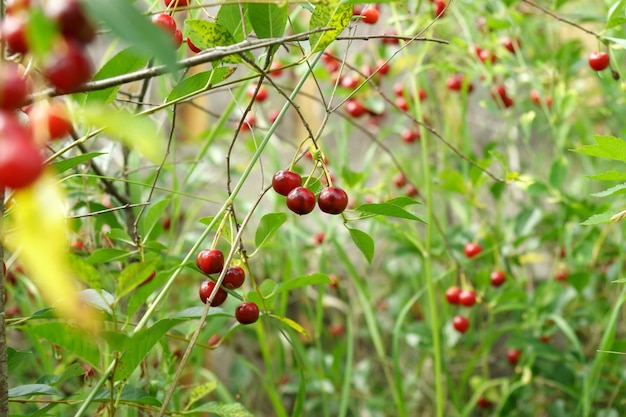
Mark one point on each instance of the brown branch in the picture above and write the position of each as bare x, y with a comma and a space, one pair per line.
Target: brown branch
401, 38
559, 18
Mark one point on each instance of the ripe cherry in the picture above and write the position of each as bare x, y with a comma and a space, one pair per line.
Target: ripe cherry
249, 123
482, 402
21, 162
177, 38
285, 181
472, 249
247, 312
234, 278
439, 7
206, 288
399, 180
561, 274
68, 68
349, 82
485, 55
512, 45
460, 323
456, 82
402, 103
319, 237
497, 278
210, 261
51, 119
71, 19
260, 96
176, 3
276, 69
192, 47
452, 295
512, 355
599, 60
355, 108
410, 135
13, 87
370, 15
13, 32
301, 200
467, 298
166, 22
332, 200
500, 94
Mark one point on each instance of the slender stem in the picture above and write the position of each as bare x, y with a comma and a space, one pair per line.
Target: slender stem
559, 18
4, 371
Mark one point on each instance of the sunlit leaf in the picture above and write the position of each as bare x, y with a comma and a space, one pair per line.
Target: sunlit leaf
69, 337
223, 410
268, 225
608, 147
268, 20
334, 16
200, 391
290, 323
304, 281
132, 276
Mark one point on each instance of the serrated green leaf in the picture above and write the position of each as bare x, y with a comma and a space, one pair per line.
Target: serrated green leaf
124, 62
223, 410
70, 337
133, 275
609, 176
103, 255
303, 281
153, 216
139, 133
268, 225
33, 389
618, 189
69, 163
132, 26
268, 20
129, 394
208, 35
16, 357
200, 391
85, 272
334, 16
601, 218
200, 82
364, 242
385, 209
230, 17
608, 147
290, 323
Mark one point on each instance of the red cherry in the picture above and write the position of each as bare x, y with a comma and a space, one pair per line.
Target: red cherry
176, 3
13, 311
4, 268
260, 96
177, 38
599, 60
439, 7
247, 312
234, 278
210, 261
206, 288
285, 181
192, 47
14, 88
485, 55
467, 298
411, 191
275, 69
512, 355
472, 249
336, 329
482, 402
383, 67
391, 40
13, 32
301, 200
51, 118
332, 200
166, 22
456, 82
410, 135
402, 103
452, 295
512, 45
399, 180
71, 18
460, 323
21, 162
349, 82
499, 94
561, 274
370, 15
497, 278
355, 108
14, 6
319, 237
68, 68
214, 340
249, 123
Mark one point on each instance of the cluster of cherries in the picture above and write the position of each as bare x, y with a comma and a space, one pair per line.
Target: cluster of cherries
467, 298
211, 261
301, 200
166, 22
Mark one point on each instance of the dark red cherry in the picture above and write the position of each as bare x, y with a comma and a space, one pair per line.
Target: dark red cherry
332, 200
206, 288
210, 261
247, 312
234, 278
301, 200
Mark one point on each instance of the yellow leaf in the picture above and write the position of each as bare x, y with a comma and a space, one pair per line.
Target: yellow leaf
36, 231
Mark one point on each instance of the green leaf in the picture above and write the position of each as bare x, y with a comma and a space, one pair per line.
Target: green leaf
200, 391
268, 225
619, 41
608, 147
125, 61
304, 281
40, 33
120, 235
385, 209
33, 389
85, 272
129, 394
153, 216
70, 371
602, 218
70, 337
132, 26
104, 255
402, 201
558, 172
223, 410
453, 181
16, 357
332, 15
290, 323
364, 242
139, 133
102, 300
268, 20
200, 82
208, 35
266, 291
609, 176
133, 275
618, 189
230, 17
69, 163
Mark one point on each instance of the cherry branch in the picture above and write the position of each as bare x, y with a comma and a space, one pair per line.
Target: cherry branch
559, 18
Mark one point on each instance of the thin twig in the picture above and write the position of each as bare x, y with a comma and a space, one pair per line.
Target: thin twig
559, 18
